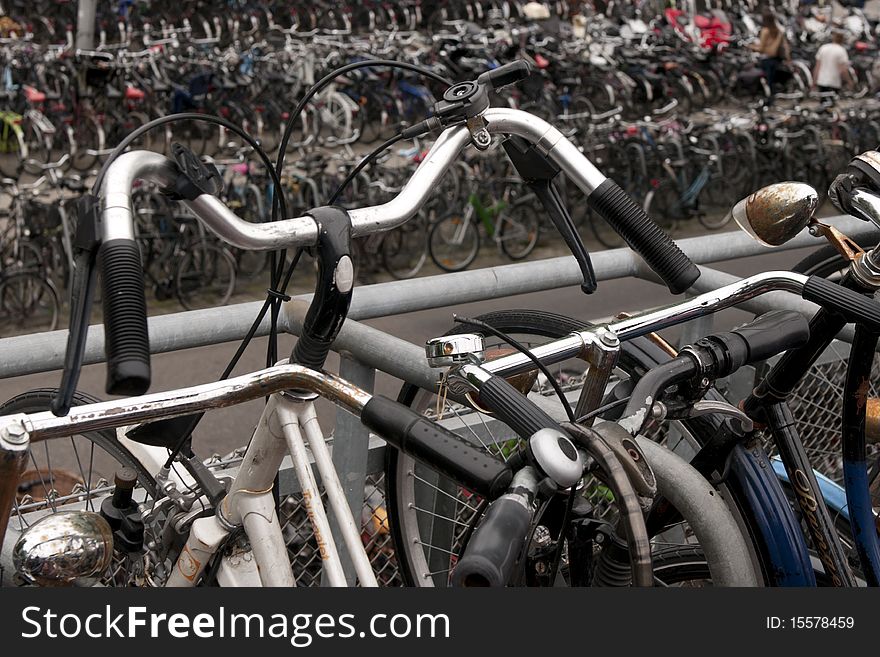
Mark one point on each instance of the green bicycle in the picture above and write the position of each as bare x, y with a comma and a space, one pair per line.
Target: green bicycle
13, 146
512, 222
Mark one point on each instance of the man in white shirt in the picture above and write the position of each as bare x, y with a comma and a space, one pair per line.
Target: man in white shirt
832, 65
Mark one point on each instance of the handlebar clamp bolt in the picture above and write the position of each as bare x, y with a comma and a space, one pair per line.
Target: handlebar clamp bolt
15, 433
609, 339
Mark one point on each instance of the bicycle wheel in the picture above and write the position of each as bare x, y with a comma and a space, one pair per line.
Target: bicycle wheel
431, 515
205, 276
454, 242
88, 137
74, 473
388, 116
681, 567
518, 230
28, 304
405, 249
247, 203
604, 233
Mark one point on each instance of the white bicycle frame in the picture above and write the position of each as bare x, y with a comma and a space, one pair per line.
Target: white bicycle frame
284, 428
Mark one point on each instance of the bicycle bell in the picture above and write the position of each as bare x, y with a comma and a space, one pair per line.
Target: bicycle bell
450, 350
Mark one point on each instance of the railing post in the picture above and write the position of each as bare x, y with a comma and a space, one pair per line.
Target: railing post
85, 24
351, 446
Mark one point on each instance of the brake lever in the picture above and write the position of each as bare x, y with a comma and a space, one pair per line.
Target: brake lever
716, 407
538, 172
82, 289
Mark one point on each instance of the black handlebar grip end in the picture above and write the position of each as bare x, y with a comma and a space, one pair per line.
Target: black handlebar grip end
513, 408
441, 449
491, 555
852, 305
644, 236
772, 333
510, 73
126, 340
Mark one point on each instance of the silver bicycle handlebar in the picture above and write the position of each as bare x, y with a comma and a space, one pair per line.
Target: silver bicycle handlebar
303, 231
655, 320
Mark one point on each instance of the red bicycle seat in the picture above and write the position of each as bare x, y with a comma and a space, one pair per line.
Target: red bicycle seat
33, 95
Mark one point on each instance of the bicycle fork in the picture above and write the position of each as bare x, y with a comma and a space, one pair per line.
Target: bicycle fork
284, 428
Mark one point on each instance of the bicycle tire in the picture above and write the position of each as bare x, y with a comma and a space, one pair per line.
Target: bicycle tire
681, 566
88, 135
404, 250
442, 247
11, 159
517, 238
28, 303
203, 269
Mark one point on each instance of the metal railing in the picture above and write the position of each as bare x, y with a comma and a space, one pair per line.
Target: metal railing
364, 350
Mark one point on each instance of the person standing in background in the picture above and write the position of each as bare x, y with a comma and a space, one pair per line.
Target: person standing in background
832, 65
774, 47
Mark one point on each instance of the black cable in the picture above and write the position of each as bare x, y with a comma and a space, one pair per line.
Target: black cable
190, 116
277, 273
566, 517
272, 350
272, 301
530, 536
522, 349
235, 358
327, 79
602, 409
363, 163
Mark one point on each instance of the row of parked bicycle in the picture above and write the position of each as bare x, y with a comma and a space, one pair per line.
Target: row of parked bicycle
67, 108
529, 448
60, 100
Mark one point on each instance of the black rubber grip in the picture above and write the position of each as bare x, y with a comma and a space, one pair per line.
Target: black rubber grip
764, 337
441, 449
855, 307
513, 408
507, 74
772, 333
644, 236
126, 341
491, 555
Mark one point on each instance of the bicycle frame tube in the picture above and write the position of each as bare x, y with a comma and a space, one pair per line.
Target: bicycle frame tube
249, 502
808, 494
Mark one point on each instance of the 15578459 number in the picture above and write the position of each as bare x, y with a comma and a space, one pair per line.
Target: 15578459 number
822, 622
811, 623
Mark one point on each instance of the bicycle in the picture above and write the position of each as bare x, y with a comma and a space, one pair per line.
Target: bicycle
179, 261
511, 222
